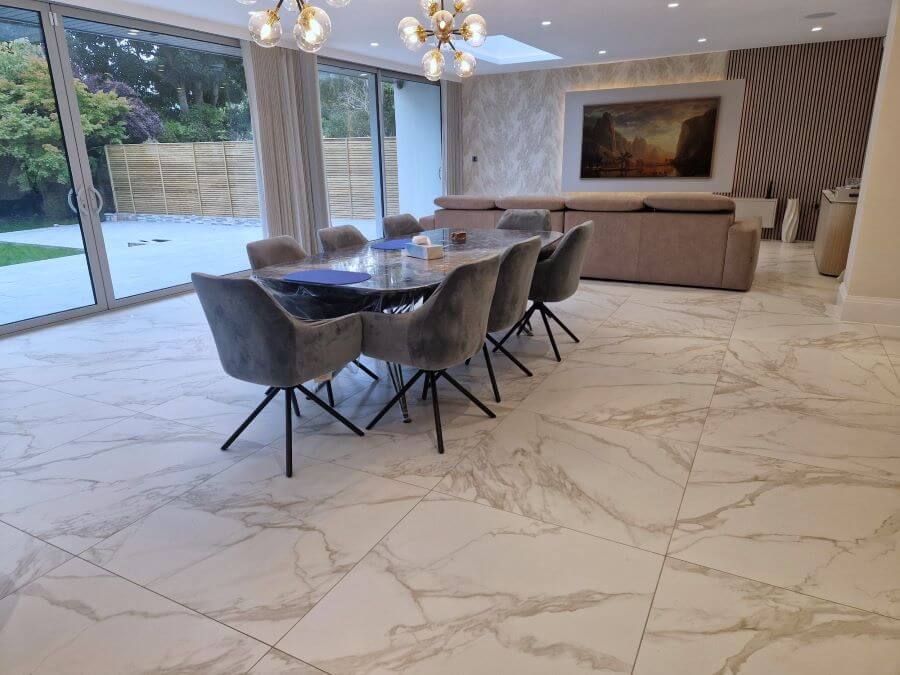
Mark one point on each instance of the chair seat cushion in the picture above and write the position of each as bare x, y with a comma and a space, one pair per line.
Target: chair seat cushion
605, 201
548, 202
466, 202
692, 202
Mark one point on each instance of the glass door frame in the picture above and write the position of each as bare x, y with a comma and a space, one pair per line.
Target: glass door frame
376, 121
52, 17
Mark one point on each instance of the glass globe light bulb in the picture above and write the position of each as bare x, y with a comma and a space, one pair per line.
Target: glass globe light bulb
312, 28
265, 27
474, 30
463, 5
338, 3
433, 64
442, 25
464, 64
411, 32
429, 7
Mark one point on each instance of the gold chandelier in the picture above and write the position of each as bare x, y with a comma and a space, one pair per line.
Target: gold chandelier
311, 30
473, 29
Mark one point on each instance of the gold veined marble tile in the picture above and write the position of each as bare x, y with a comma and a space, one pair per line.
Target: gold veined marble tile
463, 588
806, 330
826, 533
705, 622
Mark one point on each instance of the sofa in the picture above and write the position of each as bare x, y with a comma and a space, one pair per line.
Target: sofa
679, 238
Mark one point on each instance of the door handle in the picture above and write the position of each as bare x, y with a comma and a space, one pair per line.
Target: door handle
72, 207
98, 199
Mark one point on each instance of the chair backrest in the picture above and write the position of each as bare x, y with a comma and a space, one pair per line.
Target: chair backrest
402, 225
513, 284
254, 336
275, 251
530, 220
450, 326
560, 274
340, 236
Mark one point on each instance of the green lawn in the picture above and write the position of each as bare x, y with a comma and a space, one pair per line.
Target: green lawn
14, 254
19, 223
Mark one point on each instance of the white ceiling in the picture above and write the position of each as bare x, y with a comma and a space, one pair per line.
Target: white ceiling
626, 29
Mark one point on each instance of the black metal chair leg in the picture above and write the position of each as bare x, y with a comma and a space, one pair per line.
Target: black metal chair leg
512, 358
296, 404
490, 367
331, 411
288, 435
270, 394
394, 400
561, 324
438, 430
359, 364
468, 394
425, 386
522, 322
330, 391
550, 334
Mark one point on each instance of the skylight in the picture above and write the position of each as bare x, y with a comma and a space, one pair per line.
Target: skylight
504, 50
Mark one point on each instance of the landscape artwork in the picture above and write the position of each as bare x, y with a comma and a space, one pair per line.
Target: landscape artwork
649, 139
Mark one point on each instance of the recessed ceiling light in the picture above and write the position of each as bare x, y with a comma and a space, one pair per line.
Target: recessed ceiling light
672, 5
701, 39
816, 29
546, 23
133, 32
373, 44
821, 15
602, 52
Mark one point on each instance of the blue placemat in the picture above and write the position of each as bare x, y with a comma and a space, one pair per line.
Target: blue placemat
327, 277
391, 244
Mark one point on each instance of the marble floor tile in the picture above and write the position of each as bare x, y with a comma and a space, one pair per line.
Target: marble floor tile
256, 550
806, 330
859, 440
786, 299
890, 338
86, 490
80, 619
612, 483
693, 312
804, 378
481, 593
662, 352
24, 558
705, 622
822, 532
662, 404
278, 663
35, 419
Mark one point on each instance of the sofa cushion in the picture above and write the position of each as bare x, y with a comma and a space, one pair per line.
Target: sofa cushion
466, 202
549, 202
692, 202
605, 201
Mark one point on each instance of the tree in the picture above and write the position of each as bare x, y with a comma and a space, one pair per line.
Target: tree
31, 144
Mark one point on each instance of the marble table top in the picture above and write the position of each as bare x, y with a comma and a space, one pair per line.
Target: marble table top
396, 279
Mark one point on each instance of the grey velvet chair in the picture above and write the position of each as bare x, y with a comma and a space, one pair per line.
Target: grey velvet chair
510, 300
556, 279
340, 236
400, 226
259, 342
284, 250
530, 220
448, 328
275, 251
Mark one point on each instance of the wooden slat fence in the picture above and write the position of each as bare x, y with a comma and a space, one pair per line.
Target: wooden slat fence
219, 179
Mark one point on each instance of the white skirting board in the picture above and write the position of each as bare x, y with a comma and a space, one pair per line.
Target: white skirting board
865, 309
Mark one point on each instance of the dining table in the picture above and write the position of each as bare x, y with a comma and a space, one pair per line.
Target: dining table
396, 282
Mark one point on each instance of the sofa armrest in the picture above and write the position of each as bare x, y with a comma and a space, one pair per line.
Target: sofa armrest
741, 254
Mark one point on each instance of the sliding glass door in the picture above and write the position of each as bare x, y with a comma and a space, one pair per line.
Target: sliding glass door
44, 264
126, 161
382, 143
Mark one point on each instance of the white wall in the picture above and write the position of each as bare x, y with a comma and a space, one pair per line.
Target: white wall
418, 118
871, 290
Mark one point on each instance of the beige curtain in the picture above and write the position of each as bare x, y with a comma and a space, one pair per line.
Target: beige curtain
451, 112
287, 128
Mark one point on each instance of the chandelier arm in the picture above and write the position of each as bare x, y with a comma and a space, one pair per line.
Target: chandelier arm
278, 5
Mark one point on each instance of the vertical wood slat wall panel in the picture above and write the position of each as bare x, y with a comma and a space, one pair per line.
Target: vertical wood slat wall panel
805, 125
